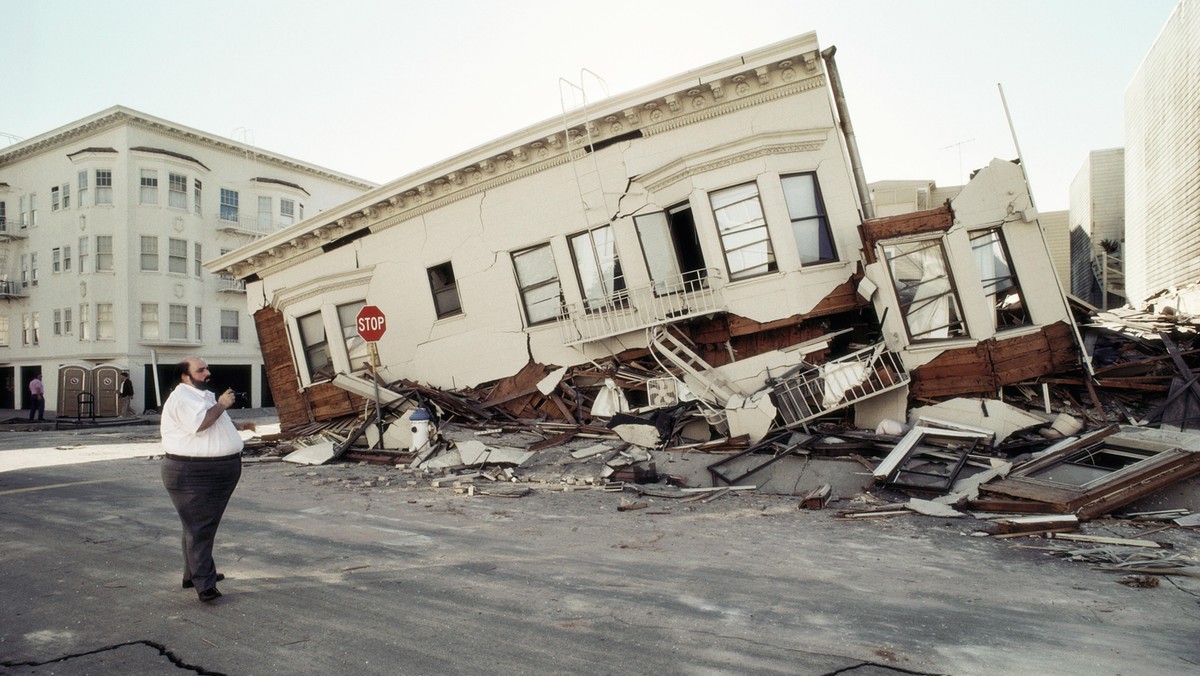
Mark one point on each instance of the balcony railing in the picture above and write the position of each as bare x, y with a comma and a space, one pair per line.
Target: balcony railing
231, 285
639, 308
11, 289
816, 390
11, 230
245, 224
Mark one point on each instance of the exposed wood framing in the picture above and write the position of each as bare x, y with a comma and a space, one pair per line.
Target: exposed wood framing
988, 365
296, 407
1097, 497
281, 374
918, 222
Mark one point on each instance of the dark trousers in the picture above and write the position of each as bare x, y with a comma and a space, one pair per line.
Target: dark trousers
200, 491
37, 407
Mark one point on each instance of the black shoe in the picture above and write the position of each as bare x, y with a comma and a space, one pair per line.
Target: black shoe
188, 584
209, 594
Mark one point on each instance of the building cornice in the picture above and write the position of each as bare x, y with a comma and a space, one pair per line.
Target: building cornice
118, 116
784, 69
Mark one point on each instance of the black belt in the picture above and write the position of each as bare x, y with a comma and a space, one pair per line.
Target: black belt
197, 458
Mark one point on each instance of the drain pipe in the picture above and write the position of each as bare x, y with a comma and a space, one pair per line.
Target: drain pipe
839, 99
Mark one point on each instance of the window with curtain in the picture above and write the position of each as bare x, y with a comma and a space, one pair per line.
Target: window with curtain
177, 256
149, 257
598, 269
149, 183
921, 277
177, 191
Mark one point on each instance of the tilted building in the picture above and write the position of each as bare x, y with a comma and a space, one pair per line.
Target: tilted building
711, 220
104, 225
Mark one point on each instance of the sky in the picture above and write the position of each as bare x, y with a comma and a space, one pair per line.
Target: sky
382, 89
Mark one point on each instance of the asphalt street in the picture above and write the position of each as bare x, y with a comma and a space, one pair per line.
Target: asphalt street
347, 568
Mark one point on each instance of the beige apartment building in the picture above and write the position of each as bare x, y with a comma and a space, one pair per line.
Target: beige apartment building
1162, 160
104, 227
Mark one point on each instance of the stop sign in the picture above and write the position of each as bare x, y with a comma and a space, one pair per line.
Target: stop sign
371, 323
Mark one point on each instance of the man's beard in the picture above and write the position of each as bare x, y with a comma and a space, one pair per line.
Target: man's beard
202, 384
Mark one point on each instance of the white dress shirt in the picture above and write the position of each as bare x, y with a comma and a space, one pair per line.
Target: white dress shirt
182, 416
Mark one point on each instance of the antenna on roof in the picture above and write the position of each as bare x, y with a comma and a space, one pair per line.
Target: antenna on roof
12, 138
959, 145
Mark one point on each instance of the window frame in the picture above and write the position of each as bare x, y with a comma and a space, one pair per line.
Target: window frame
956, 329
148, 259
439, 289
525, 290
582, 245
725, 233
148, 187
1002, 320
819, 219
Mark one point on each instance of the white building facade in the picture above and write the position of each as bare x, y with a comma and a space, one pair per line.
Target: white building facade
104, 226
1097, 214
1162, 160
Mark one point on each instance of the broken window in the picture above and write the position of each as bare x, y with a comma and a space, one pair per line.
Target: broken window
598, 269
356, 348
814, 240
671, 248
743, 230
537, 279
928, 301
316, 348
998, 279
444, 288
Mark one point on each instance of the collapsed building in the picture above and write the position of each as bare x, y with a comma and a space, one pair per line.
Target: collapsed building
714, 226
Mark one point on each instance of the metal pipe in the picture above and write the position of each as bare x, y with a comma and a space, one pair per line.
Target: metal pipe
843, 111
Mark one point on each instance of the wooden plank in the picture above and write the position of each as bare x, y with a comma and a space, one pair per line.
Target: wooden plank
1103, 540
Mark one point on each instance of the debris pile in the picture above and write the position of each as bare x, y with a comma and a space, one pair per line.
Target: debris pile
1040, 459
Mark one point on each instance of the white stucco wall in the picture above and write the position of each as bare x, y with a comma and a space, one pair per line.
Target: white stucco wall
1162, 160
728, 139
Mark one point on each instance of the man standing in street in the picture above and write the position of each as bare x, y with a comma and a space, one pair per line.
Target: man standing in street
37, 399
201, 468
125, 396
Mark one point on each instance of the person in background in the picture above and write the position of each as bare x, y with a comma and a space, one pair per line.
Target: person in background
37, 398
201, 467
125, 396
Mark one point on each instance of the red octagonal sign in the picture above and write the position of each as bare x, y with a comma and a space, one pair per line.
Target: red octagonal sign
371, 323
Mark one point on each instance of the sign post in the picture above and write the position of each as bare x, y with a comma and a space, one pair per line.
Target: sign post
371, 324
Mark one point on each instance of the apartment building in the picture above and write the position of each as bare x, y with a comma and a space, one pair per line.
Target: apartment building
105, 224
1162, 160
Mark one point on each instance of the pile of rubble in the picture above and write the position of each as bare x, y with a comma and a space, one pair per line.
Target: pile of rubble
1040, 458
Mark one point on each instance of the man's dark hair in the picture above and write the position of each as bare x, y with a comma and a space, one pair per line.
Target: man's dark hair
181, 369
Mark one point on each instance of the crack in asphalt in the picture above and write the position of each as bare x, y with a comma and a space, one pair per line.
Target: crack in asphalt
162, 650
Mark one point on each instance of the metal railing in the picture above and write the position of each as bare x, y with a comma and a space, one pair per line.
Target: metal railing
11, 288
245, 224
10, 229
635, 309
225, 283
1110, 275
815, 390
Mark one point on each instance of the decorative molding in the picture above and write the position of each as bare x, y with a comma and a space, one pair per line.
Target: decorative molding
119, 117
697, 102
320, 286
750, 154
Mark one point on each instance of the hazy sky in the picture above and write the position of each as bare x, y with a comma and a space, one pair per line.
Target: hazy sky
380, 89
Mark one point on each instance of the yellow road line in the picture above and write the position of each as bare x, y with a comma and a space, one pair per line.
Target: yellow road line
43, 488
